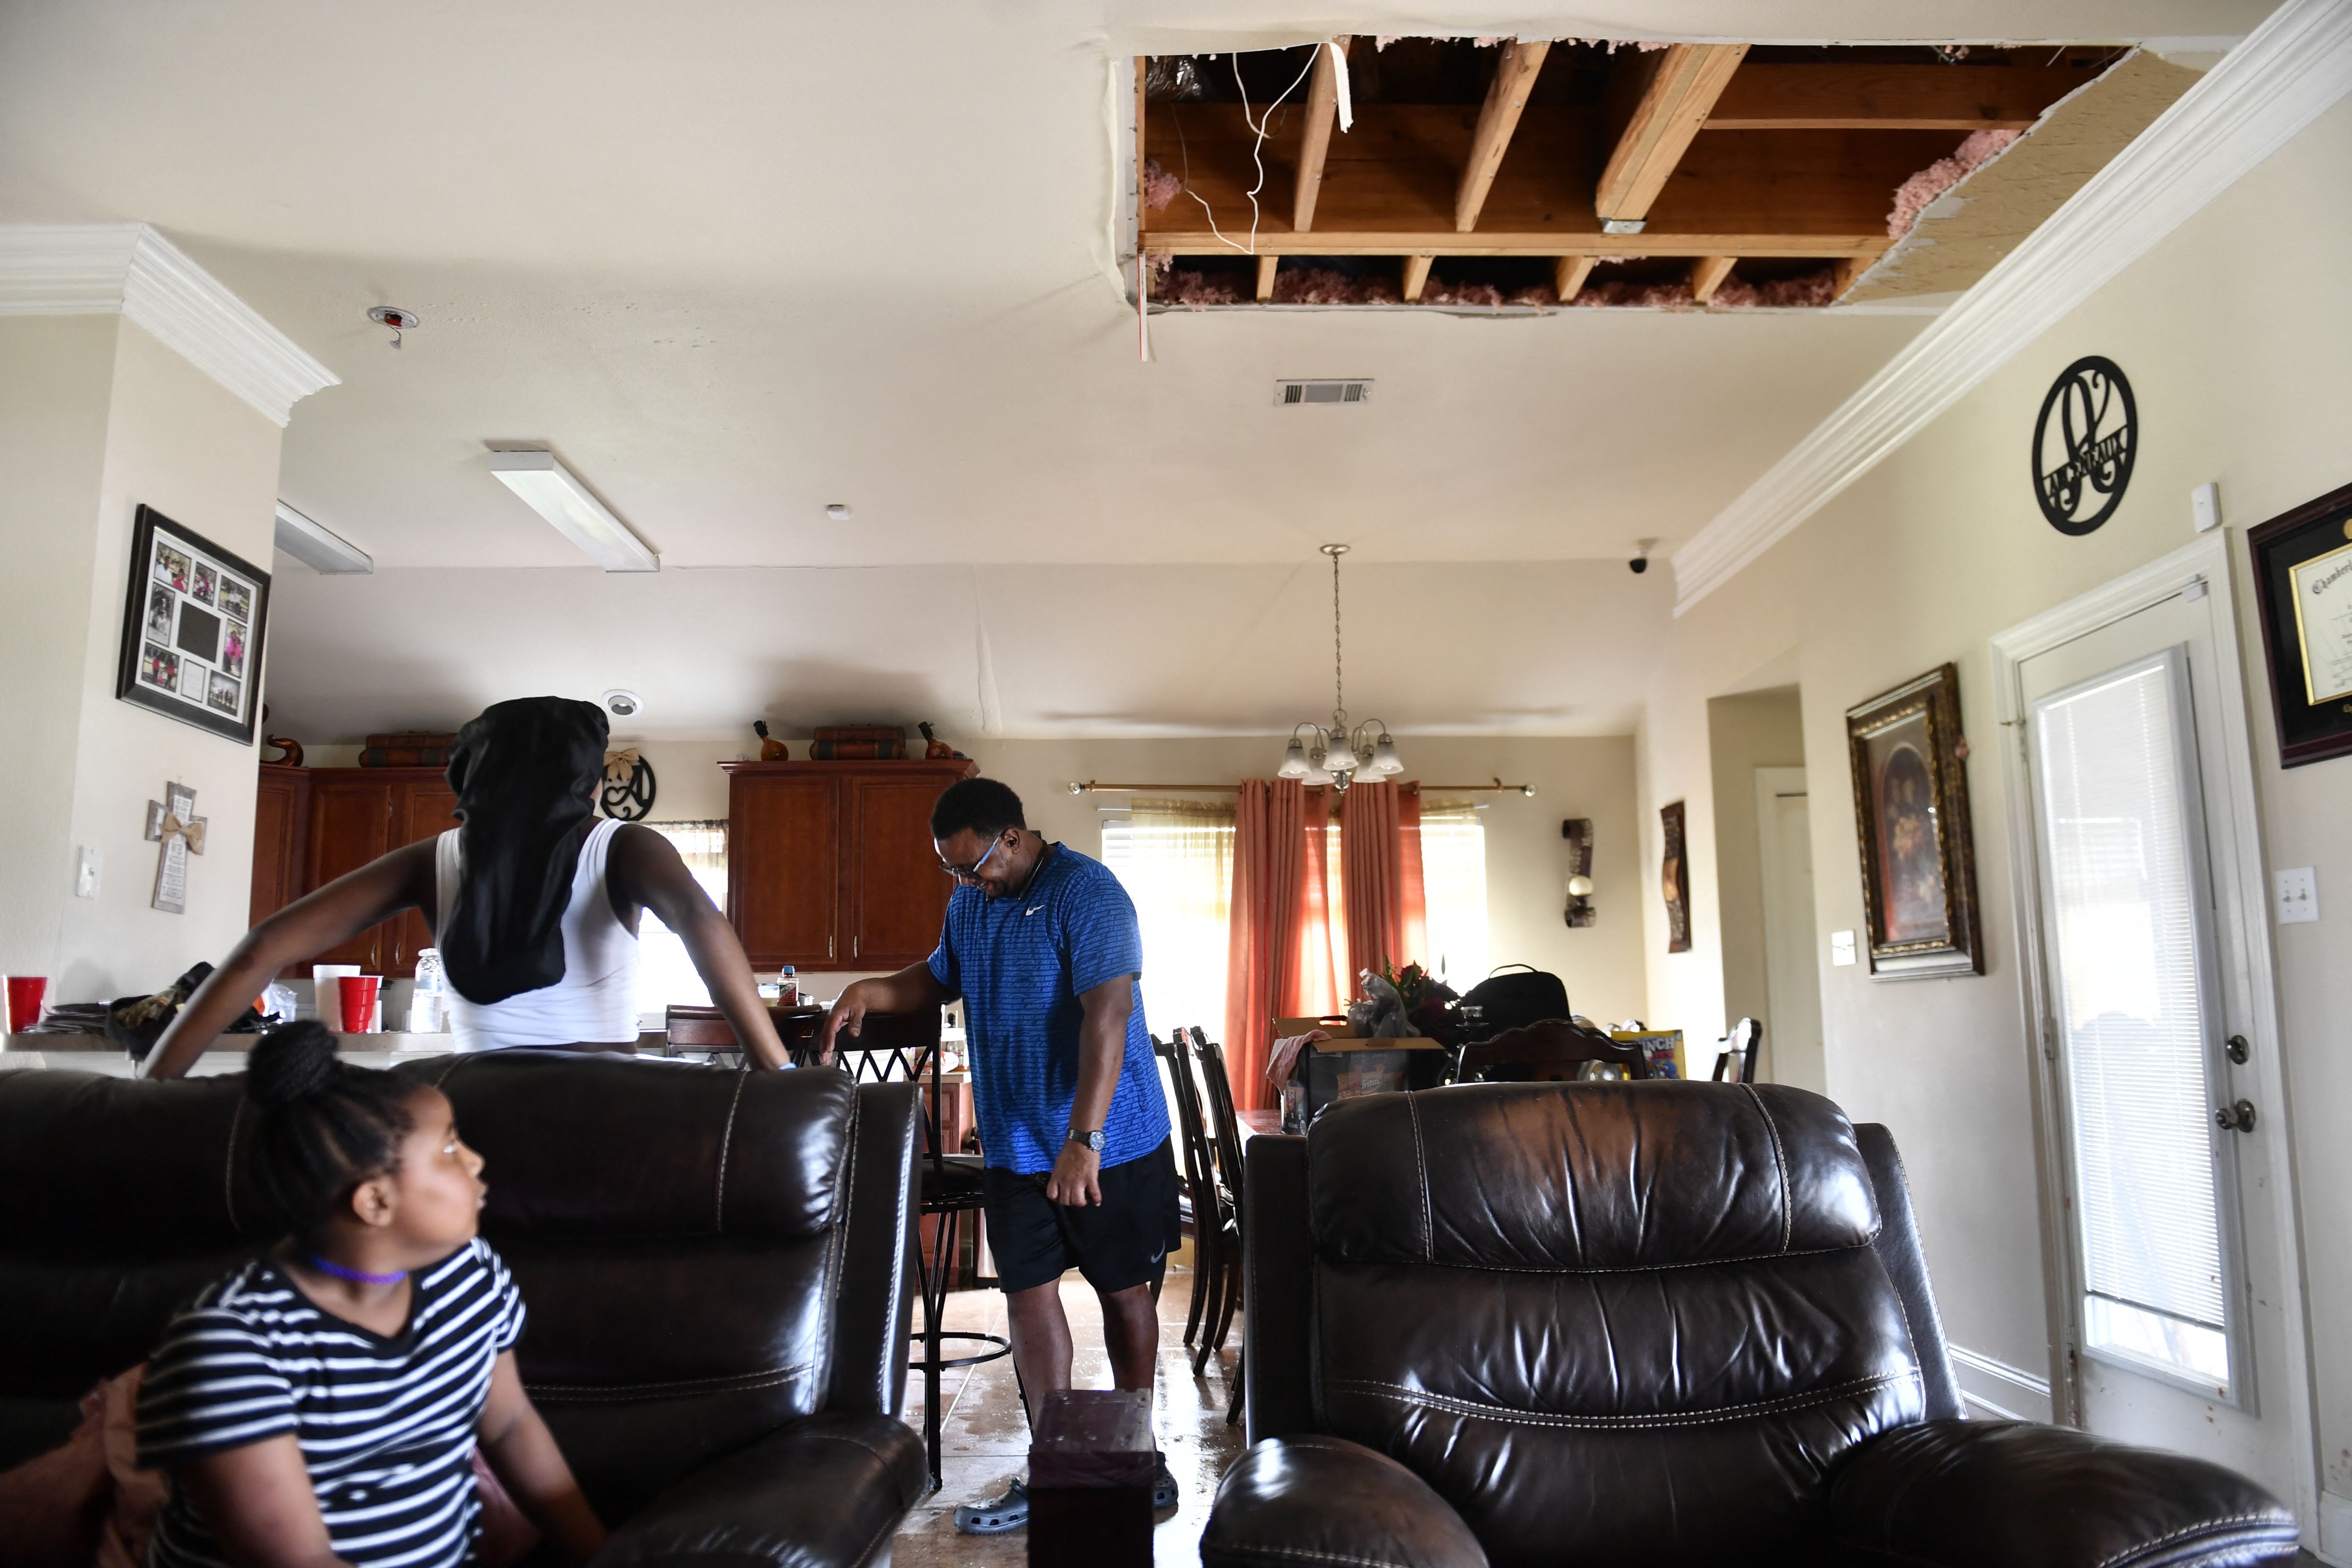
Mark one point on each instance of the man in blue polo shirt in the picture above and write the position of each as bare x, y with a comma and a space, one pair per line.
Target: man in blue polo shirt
1041, 944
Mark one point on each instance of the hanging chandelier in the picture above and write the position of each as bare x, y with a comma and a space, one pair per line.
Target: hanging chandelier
1337, 754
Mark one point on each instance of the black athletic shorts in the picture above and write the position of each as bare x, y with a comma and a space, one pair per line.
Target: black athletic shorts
1123, 1243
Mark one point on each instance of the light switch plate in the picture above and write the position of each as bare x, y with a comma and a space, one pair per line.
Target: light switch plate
86, 868
2205, 506
2298, 896
1841, 947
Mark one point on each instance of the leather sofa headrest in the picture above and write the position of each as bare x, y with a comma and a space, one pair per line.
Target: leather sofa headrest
1548, 1177
587, 1145
103, 1168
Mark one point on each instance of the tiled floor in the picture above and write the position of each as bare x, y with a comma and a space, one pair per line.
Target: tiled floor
984, 1438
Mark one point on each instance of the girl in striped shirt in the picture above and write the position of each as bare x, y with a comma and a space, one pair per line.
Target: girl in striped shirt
322, 1403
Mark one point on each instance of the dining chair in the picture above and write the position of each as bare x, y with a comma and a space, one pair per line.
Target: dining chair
1170, 1056
1226, 1122
1552, 1050
1735, 1063
1212, 1259
904, 1048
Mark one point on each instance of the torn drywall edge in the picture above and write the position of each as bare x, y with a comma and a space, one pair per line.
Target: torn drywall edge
1889, 264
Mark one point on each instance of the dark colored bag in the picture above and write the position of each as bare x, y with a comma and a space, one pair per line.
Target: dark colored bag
1507, 1000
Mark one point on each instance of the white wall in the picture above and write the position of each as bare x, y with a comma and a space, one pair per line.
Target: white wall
1752, 730
169, 437
55, 374
2233, 333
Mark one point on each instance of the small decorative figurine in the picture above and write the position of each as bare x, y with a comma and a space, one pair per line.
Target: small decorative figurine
934, 749
770, 748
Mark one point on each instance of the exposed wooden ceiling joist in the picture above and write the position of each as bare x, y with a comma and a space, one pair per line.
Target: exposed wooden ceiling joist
1265, 270
1393, 242
1322, 109
1764, 97
1569, 273
1416, 274
1707, 274
1506, 99
1677, 87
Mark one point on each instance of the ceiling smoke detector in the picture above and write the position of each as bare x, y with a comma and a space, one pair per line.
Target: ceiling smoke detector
1287, 393
839, 511
622, 704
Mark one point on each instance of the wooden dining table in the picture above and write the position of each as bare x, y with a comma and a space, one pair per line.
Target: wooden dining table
1254, 1123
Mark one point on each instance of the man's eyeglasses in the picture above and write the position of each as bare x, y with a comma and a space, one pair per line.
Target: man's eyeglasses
966, 873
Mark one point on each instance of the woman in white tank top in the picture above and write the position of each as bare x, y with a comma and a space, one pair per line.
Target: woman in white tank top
534, 903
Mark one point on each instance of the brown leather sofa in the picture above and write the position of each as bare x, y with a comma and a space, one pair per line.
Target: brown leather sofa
715, 1265
1654, 1323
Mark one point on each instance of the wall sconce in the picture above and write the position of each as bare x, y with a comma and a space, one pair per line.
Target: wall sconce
1578, 831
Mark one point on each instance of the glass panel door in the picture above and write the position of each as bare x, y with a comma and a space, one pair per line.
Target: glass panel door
2132, 946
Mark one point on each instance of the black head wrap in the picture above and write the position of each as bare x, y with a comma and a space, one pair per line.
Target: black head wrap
526, 773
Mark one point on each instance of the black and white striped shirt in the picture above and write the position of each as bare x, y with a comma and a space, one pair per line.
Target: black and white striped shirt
386, 1425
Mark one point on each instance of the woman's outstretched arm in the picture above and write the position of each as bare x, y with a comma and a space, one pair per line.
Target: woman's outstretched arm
645, 869
326, 918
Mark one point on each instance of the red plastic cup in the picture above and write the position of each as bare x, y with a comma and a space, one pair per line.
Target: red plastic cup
358, 993
25, 994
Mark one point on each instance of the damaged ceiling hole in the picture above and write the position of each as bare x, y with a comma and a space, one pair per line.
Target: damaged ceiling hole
1481, 173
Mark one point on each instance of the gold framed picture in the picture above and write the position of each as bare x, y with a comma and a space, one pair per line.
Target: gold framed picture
1911, 813
2303, 581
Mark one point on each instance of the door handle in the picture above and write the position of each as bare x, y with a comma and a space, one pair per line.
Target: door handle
2238, 1052
2238, 1117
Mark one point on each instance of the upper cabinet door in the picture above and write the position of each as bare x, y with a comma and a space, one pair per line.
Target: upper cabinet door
350, 825
280, 833
422, 810
896, 894
783, 862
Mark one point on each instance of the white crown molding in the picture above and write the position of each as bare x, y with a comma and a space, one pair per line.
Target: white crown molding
2284, 75
129, 269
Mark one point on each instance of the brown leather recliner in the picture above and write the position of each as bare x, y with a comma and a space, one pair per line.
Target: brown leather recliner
715, 1266
1656, 1323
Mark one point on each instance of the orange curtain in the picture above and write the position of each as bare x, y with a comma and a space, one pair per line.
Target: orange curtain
1322, 985
1387, 914
1263, 930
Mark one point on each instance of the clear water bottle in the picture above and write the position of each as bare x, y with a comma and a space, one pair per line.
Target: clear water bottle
429, 1004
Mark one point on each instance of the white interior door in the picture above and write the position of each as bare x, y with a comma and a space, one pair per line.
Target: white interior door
2180, 1303
1793, 975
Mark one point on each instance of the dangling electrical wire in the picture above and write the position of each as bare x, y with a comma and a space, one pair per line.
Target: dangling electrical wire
1260, 125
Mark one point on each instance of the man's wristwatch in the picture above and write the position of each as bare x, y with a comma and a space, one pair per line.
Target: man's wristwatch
1093, 1140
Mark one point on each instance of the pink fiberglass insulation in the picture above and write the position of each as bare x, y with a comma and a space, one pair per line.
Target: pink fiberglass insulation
1321, 285
1196, 289
1914, 196
1807, 288
1435, 291
1625, 291
1160, 186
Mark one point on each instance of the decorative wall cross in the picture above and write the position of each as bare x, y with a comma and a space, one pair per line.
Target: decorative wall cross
172, 822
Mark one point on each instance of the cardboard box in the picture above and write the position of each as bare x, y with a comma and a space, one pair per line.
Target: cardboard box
1662, 1048
1346, 1066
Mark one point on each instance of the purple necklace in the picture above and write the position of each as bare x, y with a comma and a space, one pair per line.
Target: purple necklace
356, 1276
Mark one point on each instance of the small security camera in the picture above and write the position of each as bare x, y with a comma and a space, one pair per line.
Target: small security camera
1639, 564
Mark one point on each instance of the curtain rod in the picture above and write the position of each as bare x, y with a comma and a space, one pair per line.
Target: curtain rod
1092, 786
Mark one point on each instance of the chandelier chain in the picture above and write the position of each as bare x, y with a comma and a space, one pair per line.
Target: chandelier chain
1338, 681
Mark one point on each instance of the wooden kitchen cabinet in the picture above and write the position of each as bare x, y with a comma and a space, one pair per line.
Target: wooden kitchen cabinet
281, 839
829, 864
310, 829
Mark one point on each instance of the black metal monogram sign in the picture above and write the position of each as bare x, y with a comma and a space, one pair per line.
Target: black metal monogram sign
2084, 445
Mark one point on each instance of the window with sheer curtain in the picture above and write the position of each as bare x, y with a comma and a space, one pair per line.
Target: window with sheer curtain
1454, 883
1175, 859
666, 975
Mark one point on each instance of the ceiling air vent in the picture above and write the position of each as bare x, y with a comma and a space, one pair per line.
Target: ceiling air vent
1287, 392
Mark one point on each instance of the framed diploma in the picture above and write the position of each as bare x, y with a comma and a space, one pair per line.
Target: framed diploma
2303, 581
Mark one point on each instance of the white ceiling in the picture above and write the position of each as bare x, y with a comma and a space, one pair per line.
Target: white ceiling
734, 261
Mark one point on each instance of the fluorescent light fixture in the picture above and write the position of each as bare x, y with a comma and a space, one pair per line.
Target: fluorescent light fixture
318, 549
549, 489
